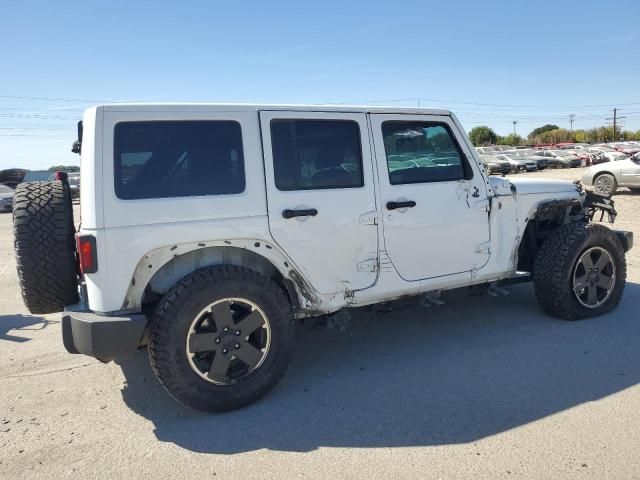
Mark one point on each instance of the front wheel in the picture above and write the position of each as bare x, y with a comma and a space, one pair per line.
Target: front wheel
580, 271
221, 338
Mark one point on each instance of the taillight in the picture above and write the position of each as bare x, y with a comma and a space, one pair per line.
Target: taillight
87, 253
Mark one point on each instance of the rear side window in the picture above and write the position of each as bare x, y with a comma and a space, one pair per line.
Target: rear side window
421, 152
178, 159
316, 154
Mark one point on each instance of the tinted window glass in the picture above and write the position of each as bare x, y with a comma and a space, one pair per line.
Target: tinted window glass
420, 152
314, 154
178, 159
37, 176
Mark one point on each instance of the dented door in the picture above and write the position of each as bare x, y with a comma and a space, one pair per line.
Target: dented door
320, 195
434, 201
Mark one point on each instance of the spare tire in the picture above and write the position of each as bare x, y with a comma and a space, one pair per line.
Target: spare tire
45, 246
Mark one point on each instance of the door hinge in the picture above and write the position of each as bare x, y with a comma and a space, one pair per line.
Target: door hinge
369, 218
484, 247
368, 265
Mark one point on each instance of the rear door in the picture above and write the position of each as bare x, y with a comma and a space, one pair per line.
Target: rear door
434, 197
320, 195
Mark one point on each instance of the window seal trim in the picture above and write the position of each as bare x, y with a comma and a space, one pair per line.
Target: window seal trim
302, 189
117, 166
466, 166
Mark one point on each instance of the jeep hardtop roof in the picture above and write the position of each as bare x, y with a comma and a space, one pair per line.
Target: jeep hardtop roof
237, 107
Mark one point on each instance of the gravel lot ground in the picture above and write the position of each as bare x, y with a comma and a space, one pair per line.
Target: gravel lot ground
485, 388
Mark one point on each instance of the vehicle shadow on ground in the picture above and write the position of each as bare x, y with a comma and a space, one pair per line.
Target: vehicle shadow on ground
21, 322
625, 192
414, 377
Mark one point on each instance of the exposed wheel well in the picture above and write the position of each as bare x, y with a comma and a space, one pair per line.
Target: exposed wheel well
182, 265
548, 217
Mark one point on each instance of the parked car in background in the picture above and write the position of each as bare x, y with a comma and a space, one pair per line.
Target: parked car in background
560, 158
6, 198
597, 157
611, 154
11, 177
486, 150
496, 166
522, 164
572, 146
630, 148
583, 154
607, 177
529, 154
37, 176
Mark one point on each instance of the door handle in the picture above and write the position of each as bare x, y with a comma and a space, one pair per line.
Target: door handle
405, 204
310, 212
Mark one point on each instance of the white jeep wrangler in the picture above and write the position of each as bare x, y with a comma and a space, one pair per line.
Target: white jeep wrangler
208, 230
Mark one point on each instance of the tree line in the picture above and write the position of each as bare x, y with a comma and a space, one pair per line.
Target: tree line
483, 135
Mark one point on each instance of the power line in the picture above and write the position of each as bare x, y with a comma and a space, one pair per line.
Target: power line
414, 100
57, 99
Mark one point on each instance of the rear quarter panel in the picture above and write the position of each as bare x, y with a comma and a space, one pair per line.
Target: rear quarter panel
126, 230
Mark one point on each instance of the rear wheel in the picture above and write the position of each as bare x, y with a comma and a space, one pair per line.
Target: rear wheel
45, 246
605, 184
221, 338
580, 271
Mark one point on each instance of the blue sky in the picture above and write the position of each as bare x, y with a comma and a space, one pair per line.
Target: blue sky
491, 62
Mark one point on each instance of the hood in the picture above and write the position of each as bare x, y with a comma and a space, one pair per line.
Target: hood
529, 186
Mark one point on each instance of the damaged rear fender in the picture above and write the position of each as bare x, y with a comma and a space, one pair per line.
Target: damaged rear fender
160, 269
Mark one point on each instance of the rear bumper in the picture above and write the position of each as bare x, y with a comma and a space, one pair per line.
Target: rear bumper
105, 338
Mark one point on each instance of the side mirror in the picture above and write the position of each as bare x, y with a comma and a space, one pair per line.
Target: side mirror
77, 145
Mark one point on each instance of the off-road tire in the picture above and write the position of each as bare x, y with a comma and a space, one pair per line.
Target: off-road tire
45, 246
171, 322
555, 263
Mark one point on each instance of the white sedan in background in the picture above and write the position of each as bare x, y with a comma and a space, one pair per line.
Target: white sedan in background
607, 177
610, 153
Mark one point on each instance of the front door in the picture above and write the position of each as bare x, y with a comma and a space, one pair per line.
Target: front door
321, 201
434, 197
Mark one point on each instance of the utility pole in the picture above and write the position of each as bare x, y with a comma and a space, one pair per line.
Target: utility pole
514, 126
617, 123
572, 117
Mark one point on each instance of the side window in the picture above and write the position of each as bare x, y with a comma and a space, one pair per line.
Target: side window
316, 154
421, 152
178, 159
